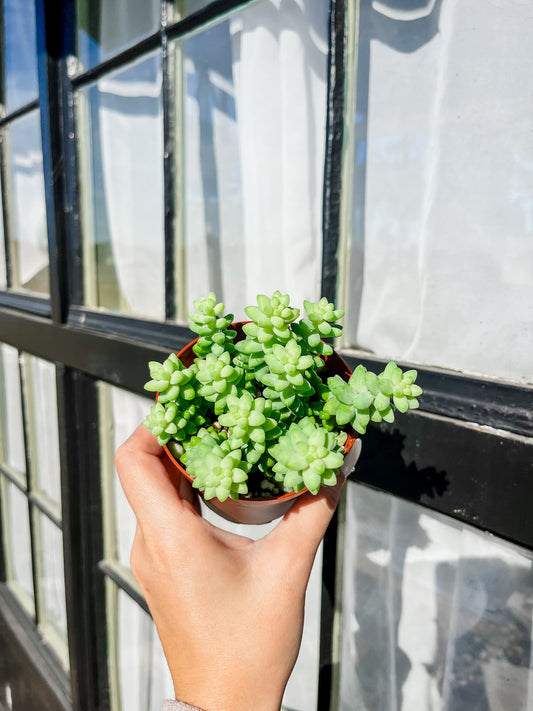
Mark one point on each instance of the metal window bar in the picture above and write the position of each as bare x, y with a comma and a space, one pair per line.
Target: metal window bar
21, 111
334, 147
33, 531
83, 539
169, 157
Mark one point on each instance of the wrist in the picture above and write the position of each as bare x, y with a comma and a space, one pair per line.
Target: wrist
233, 699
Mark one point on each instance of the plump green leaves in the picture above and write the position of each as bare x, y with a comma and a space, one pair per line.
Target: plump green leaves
307, 455
177, 420
250, 424
319, 324
171, 380
218, 470
288, 375
369, 397
251, 408
271, 319
218, 379
212, 326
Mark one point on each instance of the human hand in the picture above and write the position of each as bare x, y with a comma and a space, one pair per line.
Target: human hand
229, 611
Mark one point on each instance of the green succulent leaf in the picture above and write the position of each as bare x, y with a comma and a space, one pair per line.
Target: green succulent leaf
265, 404
306, 453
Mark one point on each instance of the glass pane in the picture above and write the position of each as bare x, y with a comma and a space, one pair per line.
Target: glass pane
43, 429
3, 271
254, 90
20, 53
138, 671
29, 242
120, 413
122, 189
440, 261
301, 693
182, 8
11, 423
105, 28
17, 548
51, 582
436, 615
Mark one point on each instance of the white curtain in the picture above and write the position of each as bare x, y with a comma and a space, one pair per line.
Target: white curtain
29, 239
441, 256
44, 424
131, 135
52, 580
127, 412
254, 144
436, 615
16, 527
12, 425
144, 677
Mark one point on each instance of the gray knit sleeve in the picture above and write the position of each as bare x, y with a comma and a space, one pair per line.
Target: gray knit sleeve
170, 705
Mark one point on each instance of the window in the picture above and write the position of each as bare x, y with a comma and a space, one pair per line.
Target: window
31, 499
443, 605
252, 92
24, 223
122, 184
438, 258
151, 151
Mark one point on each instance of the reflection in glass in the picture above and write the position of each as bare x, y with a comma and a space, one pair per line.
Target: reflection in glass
120, 413
439, 264
139, 674
29, 243
17, 550
182, 8
43, 431
433, 610
51, 582
105, 28
12, 452
253, 89
122, 190
20, 53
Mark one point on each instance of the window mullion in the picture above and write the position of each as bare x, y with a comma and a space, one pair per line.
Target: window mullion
333, 152
82, 539
35, 549
54, 40
169, 175
328, 681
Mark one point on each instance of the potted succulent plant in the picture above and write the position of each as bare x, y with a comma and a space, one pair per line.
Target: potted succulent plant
257, 413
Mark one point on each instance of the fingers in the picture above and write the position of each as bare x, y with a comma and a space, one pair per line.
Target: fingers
305, 524
188, 494
148, 485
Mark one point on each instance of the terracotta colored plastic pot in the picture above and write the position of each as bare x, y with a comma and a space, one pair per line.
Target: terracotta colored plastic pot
262, 510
